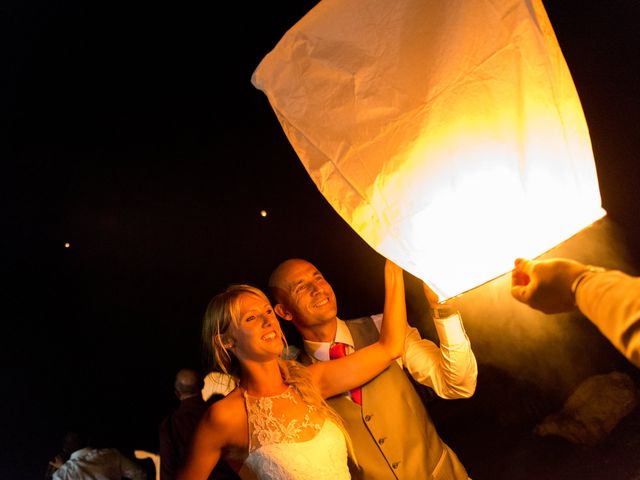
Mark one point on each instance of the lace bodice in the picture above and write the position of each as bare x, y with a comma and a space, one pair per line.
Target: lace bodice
290, 440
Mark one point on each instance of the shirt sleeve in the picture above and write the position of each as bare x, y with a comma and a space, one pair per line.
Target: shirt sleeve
450, 369
611, 300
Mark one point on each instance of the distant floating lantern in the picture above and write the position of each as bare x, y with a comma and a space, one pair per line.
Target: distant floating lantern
263, 213
67, 245
449, 135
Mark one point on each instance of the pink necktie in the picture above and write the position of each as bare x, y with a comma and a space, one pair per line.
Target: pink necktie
337, 350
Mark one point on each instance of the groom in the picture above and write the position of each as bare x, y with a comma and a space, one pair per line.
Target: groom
391, 431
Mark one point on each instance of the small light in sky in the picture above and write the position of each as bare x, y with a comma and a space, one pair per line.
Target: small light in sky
67, 245
263, 213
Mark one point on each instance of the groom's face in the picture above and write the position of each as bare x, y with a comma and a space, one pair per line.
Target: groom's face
306, 295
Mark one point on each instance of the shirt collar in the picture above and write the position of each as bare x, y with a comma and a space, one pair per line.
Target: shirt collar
320, 350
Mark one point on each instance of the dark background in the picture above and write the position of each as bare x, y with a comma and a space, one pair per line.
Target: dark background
132, 131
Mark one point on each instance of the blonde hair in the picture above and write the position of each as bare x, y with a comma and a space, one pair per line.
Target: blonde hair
222, 312
298, 376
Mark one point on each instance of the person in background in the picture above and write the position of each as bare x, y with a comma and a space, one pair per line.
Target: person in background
69, 444
88, 463
392, 433
177, 429
275, 424
608, 298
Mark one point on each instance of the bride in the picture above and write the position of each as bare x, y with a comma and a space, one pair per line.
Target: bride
276, 425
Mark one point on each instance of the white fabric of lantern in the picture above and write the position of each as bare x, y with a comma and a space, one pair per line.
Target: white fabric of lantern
448, 134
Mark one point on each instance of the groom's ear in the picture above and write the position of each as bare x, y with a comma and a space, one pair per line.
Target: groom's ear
282, 312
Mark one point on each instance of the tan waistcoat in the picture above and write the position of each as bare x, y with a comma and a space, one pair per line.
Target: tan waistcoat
392, 434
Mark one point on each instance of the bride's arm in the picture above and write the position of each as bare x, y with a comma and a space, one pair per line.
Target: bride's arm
337, 376
214, 432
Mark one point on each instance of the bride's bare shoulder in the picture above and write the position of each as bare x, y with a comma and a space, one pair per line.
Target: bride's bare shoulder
227, 412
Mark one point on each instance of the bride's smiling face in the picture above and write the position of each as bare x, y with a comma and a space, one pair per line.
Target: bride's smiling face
257, 333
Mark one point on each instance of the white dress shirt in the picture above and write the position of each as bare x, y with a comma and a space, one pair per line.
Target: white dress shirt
450, 369
99, 464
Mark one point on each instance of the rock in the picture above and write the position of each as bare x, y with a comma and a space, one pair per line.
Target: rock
593, 409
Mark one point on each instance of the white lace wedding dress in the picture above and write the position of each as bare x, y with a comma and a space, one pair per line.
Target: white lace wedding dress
290, 440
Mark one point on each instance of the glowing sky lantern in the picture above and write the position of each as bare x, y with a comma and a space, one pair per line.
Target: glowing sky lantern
448, 134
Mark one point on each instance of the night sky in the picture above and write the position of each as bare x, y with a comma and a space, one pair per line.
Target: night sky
132, 131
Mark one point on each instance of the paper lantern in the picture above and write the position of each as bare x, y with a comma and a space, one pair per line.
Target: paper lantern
448, 134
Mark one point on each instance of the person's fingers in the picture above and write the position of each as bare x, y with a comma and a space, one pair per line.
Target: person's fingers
518, 274
432, 297
392, 267
520, 278
520, 293
521, 264
526, 266
517, 267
